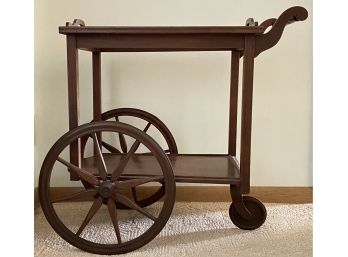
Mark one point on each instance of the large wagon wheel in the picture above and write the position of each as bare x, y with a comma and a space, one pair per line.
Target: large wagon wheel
171, 147
108, 178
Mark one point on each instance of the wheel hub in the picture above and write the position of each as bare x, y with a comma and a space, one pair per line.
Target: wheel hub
106, 189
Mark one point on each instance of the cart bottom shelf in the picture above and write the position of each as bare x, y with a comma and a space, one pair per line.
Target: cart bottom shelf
190, 168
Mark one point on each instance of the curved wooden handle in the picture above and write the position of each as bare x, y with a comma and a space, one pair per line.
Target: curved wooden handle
271, 38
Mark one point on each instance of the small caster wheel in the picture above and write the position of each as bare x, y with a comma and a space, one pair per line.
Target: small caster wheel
257, 210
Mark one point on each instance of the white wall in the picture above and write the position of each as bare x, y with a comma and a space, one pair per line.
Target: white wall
191, 88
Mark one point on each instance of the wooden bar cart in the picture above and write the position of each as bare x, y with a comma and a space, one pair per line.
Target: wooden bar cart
114, 167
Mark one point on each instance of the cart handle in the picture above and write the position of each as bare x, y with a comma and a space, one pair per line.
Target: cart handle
271, 38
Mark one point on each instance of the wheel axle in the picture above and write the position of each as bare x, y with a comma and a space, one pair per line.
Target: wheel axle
106, 189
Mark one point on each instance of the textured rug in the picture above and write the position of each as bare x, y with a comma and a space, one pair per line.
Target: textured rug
195, 229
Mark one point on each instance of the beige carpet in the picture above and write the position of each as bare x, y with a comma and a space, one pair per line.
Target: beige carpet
196, 229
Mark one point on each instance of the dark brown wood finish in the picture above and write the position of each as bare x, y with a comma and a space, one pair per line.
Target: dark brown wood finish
249, 39
271, 38
159, 42
161, 30
96, 86
170, 148
96, 70
129, 39
195, 168
257, 213
146, 116
104, 175
73, 97
232, 135
247, 98
107, 189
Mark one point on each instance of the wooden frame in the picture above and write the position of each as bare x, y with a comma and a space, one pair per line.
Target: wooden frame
105, 175
247, 41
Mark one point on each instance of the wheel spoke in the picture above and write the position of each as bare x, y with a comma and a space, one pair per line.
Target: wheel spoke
113, 216
102, 167
134, 193
117, 172
89, 194
126, 201
144, 130
147, 127
138, 181
123, 142
92, 211
124, 160
110, 148
82, 173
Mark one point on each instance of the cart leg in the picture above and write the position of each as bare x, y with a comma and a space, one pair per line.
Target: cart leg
96, 67
232, 133
237, 199
96, 63
73, 99
96, 71
247, 98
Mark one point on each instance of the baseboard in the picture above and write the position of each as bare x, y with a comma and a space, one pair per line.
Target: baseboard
265, 194
214, 194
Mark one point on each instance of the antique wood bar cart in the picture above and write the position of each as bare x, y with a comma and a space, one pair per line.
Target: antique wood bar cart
114, 168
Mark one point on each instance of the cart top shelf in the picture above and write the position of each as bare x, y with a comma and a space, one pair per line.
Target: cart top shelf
200, 38
79, 29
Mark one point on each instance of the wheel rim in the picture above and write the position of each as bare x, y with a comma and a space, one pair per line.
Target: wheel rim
106, 189
151, 119
143, 115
